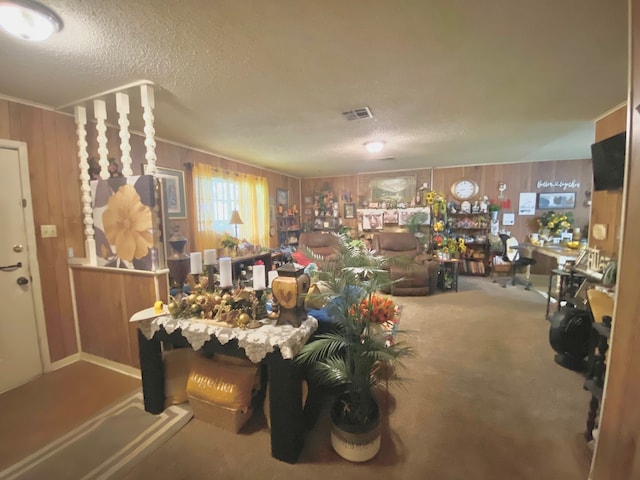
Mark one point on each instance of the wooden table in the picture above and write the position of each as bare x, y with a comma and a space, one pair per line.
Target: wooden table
601, 304
275, 345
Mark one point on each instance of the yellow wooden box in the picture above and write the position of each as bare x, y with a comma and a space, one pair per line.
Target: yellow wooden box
220, 393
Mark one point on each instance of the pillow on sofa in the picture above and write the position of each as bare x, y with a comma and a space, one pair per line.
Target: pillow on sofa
300, 258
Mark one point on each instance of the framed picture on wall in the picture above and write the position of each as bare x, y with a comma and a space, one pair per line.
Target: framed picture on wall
393, 190
349, 210
173, 191
282, 197
558, 200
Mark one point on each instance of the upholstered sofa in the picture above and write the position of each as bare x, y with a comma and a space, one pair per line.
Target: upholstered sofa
320, 243
415, 278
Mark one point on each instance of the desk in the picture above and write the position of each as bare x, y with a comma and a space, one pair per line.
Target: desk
557, 253
276, 345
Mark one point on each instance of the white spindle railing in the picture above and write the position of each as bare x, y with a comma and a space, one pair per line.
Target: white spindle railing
100, 112
148, 104
80, 114
122, 106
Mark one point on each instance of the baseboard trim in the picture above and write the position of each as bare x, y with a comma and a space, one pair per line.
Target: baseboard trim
58, 364
110, 364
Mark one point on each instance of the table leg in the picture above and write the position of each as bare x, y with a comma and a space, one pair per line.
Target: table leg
287, 419
152, 370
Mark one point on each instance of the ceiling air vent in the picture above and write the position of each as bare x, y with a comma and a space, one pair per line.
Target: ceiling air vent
358, 114
386, 159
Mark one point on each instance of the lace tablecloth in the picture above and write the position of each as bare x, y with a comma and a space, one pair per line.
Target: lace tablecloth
255, 342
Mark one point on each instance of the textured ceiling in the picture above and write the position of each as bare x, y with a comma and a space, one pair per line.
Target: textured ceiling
450, 82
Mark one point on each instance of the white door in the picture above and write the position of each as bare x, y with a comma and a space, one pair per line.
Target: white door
19, 347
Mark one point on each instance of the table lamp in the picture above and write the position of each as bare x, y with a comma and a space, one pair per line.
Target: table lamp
235, 221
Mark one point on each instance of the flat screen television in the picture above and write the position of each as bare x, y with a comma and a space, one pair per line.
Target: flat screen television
608, 162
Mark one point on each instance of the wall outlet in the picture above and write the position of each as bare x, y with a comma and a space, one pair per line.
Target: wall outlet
48, 231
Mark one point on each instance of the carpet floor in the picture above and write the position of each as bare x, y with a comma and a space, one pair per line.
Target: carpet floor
483, 400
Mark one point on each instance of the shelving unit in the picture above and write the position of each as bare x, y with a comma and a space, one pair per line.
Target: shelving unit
474, 228
288, 229
326, 223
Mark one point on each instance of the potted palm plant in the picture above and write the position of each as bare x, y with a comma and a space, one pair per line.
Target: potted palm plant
353, 357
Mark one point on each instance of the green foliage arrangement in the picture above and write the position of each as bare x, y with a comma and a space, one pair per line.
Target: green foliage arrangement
353, 358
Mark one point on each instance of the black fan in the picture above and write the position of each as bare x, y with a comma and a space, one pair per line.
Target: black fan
569, 336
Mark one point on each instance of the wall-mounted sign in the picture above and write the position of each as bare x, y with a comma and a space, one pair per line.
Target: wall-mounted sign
564, 185
508, 218
527, 204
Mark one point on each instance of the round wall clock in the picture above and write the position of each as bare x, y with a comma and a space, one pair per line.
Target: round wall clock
464, 189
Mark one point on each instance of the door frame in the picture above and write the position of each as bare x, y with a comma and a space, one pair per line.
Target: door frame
34, 268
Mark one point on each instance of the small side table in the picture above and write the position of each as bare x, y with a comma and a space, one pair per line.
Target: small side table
563, 285
448, 274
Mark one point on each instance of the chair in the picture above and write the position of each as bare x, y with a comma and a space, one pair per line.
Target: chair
417, 278
511, 255
320, 243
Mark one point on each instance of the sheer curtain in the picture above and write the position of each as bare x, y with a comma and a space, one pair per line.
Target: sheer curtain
216, 194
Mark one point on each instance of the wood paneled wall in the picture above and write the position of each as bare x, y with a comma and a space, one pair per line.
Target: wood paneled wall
617, 454
606, 207
55, 186
519, 177
105, 300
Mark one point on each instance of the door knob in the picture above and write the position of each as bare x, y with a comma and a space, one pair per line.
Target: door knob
22, 281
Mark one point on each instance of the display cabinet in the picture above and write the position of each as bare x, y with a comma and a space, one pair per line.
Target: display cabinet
474, 229
327, 223
288, 229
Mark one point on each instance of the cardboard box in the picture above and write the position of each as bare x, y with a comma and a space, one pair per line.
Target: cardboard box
226, 418
221, 392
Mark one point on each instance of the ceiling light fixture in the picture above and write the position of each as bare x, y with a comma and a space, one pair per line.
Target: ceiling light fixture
374, 146
28, 20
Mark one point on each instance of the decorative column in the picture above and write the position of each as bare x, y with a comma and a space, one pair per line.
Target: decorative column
122, 106
85, 189
100, 112
148, 104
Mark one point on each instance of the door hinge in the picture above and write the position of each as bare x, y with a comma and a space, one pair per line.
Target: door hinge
24, 203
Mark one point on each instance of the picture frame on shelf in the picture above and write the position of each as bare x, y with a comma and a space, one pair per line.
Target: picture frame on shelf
558, 200
318, 223
349, 210
308, 200
173, 191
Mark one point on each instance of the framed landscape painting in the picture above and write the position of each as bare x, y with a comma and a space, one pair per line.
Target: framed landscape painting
393, 190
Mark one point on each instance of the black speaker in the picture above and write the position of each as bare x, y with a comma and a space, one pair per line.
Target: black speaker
569, 336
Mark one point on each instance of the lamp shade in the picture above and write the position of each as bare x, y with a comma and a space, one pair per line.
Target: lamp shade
235, 218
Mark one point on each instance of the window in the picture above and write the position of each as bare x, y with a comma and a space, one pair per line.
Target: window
217, 194
221, 196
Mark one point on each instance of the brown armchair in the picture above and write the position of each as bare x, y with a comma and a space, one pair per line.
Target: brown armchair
320, 243
419, 277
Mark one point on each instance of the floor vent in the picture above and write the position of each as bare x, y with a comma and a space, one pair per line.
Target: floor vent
358, 114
